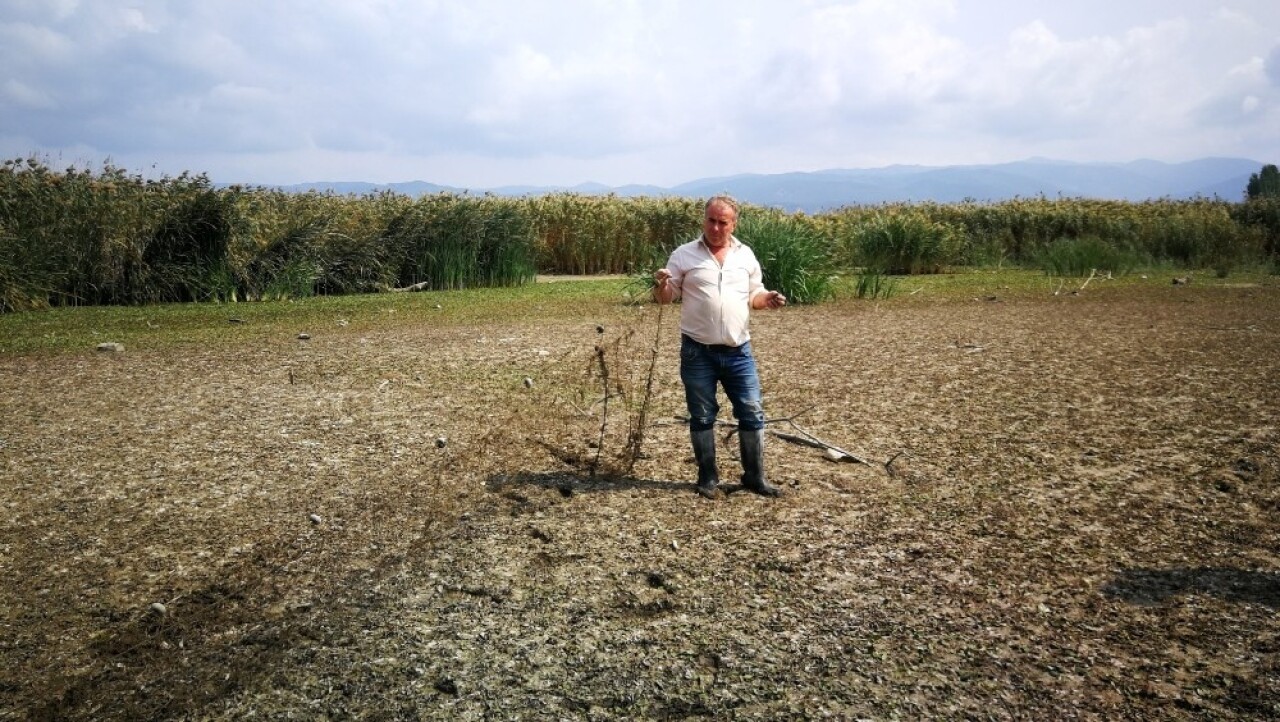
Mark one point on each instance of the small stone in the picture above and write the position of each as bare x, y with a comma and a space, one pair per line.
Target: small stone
304, 337
159, 608
315, 518
441, 442
111, 347
528, 382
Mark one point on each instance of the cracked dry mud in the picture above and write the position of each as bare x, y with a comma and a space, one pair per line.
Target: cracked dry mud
1082, 520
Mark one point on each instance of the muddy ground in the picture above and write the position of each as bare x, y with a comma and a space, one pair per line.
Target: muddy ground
1081, 520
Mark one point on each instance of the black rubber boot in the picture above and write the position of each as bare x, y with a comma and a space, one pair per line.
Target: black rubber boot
751, 448
704, 452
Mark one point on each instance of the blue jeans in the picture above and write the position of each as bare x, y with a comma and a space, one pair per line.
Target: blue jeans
703, 366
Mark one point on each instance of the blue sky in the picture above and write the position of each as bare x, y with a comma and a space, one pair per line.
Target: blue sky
485, 93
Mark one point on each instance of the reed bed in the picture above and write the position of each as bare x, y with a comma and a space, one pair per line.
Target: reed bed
81, 237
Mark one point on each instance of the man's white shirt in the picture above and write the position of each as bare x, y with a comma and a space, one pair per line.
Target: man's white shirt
716, 299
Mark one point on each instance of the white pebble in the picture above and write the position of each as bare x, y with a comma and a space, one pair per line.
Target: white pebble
315, 518
158, 608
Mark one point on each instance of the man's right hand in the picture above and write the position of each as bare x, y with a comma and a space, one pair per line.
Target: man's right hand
662, 291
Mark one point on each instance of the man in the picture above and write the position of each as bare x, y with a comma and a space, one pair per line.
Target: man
718, 280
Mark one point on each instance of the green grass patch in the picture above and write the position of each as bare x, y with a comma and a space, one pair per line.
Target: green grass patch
872, 284
81, 329
1083, 256
966, 284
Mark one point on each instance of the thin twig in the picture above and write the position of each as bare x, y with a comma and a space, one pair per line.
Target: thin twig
888, 465
1092, 273
597, 402
636, 441
604, 416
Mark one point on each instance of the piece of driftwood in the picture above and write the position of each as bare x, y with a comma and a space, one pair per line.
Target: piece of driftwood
807, 439
420, 286
1092, 273
804, 438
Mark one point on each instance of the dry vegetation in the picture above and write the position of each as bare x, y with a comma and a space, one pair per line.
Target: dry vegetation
1080, 521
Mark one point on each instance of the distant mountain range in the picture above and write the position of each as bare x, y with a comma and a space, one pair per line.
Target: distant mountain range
818, 191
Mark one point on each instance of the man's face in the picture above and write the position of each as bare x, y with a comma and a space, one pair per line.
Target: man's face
719, 223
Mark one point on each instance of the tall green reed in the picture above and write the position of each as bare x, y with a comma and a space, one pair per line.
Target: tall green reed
108, 237
448, 241
1083, 256
903, 241
794, 256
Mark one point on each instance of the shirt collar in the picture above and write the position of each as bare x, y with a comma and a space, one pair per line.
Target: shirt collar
733, 242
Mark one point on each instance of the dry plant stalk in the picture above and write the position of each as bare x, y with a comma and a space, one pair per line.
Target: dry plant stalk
604, 413
616, 381
635, 440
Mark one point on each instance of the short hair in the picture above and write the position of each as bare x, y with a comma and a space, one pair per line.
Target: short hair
723, 198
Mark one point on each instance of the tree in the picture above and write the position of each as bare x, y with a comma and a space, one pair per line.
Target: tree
1264, 184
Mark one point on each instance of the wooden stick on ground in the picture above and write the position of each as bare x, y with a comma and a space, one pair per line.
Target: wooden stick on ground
803, 438
810, 440
1092, 273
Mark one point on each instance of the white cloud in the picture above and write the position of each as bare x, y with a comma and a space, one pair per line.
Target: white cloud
21, 95
40, 10
26, 47
853, 56
533, 91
